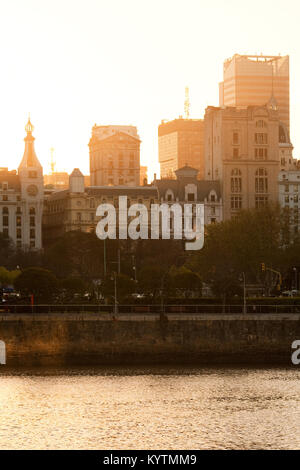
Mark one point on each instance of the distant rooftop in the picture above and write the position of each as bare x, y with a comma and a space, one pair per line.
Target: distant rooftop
102, 132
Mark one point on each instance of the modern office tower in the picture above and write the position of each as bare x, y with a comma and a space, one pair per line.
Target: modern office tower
242, 151
251, 80
114, 156
180, 143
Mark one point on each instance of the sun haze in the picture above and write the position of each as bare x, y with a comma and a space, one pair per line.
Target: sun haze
72, 64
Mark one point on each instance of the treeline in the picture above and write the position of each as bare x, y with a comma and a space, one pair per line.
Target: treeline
80, 266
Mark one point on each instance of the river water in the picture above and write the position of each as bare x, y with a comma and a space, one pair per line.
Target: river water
159, 408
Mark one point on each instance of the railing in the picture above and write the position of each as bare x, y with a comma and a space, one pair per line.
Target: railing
149, 309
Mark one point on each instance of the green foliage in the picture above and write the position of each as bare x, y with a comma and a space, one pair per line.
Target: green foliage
37, 281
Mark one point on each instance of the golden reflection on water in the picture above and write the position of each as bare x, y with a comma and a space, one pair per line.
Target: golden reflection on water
150, 409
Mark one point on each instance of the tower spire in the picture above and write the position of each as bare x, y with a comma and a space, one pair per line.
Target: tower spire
29, 158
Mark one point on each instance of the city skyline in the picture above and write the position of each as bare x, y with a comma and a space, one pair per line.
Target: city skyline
94, 77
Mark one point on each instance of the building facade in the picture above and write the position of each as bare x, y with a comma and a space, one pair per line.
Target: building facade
187, 189
242, 152
289, 196
250, 80
75, 208
180, 143
21, 199
114, 156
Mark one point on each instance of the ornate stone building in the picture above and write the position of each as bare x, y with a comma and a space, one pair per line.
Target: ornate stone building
242, 152
187, 189
75, 208
21, 198
114, 156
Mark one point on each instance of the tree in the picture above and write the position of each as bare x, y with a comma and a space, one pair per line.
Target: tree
37, 281
240, 245
185, 280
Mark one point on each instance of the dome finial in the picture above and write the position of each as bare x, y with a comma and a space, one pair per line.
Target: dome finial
29, 127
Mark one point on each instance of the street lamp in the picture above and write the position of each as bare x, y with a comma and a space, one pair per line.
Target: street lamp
244, 304
115, 296
296, 280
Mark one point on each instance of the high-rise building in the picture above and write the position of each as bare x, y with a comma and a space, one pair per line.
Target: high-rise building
242, 151
114, 156
253, 80
180, 143
21, 198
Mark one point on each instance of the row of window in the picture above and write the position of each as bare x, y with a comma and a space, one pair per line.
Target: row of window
5, 221
236, 202
261, 181
19, 233
260, 153
18, 211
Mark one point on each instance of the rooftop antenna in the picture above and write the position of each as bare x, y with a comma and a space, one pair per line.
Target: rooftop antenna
52, 163
187, 103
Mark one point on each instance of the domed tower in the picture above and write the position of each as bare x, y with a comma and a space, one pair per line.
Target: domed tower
32, 193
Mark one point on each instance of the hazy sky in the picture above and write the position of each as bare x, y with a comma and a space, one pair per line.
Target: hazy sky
74, 63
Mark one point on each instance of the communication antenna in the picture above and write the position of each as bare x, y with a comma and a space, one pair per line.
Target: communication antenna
52, 163
187, 103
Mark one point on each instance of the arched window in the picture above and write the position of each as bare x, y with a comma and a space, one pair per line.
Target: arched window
32, 211
261, 180
236, 181
169, 195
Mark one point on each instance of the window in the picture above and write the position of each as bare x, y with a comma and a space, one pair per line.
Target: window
236, 202
121, 181
261, 138
32, 221
5, 186
261, 181
286, 188
18, 210
213, 198
261, 201
213, 220
261, 123
32, 244
235, 138
5, 198
32, 233
19, 221
32, 174
191, 197
236, 181
32, 211
235, 152
19, 233
261, 153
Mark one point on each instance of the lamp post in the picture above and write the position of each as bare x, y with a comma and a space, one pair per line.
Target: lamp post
115, 296
244, 285
296, 280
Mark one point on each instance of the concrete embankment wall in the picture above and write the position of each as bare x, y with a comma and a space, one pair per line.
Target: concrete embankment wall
95, 339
